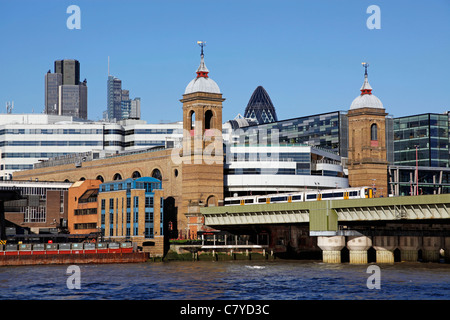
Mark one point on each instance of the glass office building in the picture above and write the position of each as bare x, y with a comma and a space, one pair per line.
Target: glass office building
327, 131
73, 101
428, 133
52, 83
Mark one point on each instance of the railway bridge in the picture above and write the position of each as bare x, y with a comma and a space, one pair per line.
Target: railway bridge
384, 230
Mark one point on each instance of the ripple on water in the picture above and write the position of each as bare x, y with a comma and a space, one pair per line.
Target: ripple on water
271, 280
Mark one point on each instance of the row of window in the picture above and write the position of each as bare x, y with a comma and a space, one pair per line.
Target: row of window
147, 186
148, 232
260, 171
16, 166
145, 143
80, 226
152, 131
267, 156
33, 154
149, 203
141, 131
50, 131
51, 143
81, 212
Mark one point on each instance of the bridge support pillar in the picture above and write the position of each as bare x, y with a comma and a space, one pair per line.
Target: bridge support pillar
331, 248
431, 247
447, 249
409, 248
358, 247
385, 246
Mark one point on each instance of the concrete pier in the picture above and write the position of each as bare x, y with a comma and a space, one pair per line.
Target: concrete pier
431, 247
331, 248
409, 248
358, 246
447, 249
385, 246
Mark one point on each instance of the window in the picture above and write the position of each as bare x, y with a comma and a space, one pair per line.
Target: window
373, 132
208, 119
157, 174
192, 116
149, 202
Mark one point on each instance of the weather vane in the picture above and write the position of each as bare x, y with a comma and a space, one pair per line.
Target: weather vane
365, 65
201, 44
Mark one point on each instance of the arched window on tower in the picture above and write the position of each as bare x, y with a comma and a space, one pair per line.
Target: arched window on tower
373, 132
208, 119
192, 118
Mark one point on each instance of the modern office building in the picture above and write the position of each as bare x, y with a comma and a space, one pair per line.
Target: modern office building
73, 100
135, 110
52, 83
64, 93
260, 107
421, 155
114, 98
412, 180
132, 209
125, 104
119, 104
423, 137
265, 169
327, 131
70, 71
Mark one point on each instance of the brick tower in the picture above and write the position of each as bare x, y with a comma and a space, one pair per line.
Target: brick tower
202, 179
367, 161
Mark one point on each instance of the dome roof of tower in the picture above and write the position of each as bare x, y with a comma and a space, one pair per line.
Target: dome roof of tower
366, 99
202, 83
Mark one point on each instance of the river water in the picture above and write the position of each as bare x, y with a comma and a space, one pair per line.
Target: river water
227, 280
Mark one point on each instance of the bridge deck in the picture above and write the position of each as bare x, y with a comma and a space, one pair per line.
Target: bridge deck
324, 215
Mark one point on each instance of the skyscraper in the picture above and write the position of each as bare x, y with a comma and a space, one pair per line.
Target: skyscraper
70, 70
260, 107
52, 82
64, 93
135, 112
114, 98
119, 104
73, 100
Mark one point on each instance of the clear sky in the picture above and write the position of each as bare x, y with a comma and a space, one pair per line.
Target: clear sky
307, 54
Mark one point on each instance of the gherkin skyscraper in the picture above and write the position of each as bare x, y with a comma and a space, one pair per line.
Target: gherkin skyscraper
260, 107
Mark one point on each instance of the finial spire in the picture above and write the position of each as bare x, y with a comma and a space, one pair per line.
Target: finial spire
201, 44
202, 71
366, 88
365, 65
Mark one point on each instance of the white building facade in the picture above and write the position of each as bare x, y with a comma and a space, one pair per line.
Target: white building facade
27, 139
252, 170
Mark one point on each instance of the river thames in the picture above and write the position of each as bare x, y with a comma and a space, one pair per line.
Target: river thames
227, 280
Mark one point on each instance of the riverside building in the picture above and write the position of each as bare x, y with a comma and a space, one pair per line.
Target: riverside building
132, 210
43, 206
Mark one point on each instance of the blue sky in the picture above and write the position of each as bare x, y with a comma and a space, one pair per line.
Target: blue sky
307, 54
